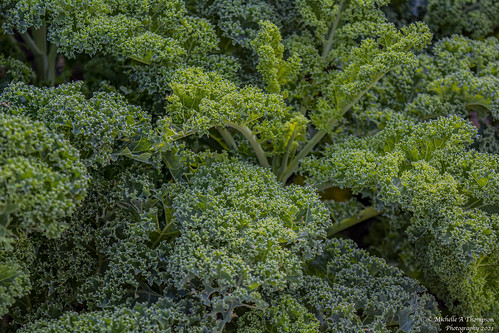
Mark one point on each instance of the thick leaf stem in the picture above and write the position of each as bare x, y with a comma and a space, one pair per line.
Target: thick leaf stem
260, 154
364, 215
45, 57
284, 162
303, 153
229, 140
320, 134
329, 43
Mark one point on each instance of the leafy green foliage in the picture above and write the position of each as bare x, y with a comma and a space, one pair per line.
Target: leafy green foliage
41, 180
14, 282
164, 316
239, 20
451, 191
285, 315
154, 183
342, 69
134, 241
460, 258
459, 76
352, 291
210, 101
276, 71
157, 33
241, 234
118, 240
12, 69
387, 239
470, 18
476, 19
97, 127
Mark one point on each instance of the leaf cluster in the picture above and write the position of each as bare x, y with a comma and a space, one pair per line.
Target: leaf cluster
198, 166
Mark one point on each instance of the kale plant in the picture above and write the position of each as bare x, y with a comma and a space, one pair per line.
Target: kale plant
248, 166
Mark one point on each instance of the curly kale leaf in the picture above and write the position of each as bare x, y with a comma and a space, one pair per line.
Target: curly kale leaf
13, 70
42, 178
458, 253
473, 18
275, 71
114, 251
285, 314
458, 76
98, 127
14, 282
350, 48
452, 193
352, 291
241, 234
134, 237
41, 181
157, 36
205, 100
147, 31
163, 316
